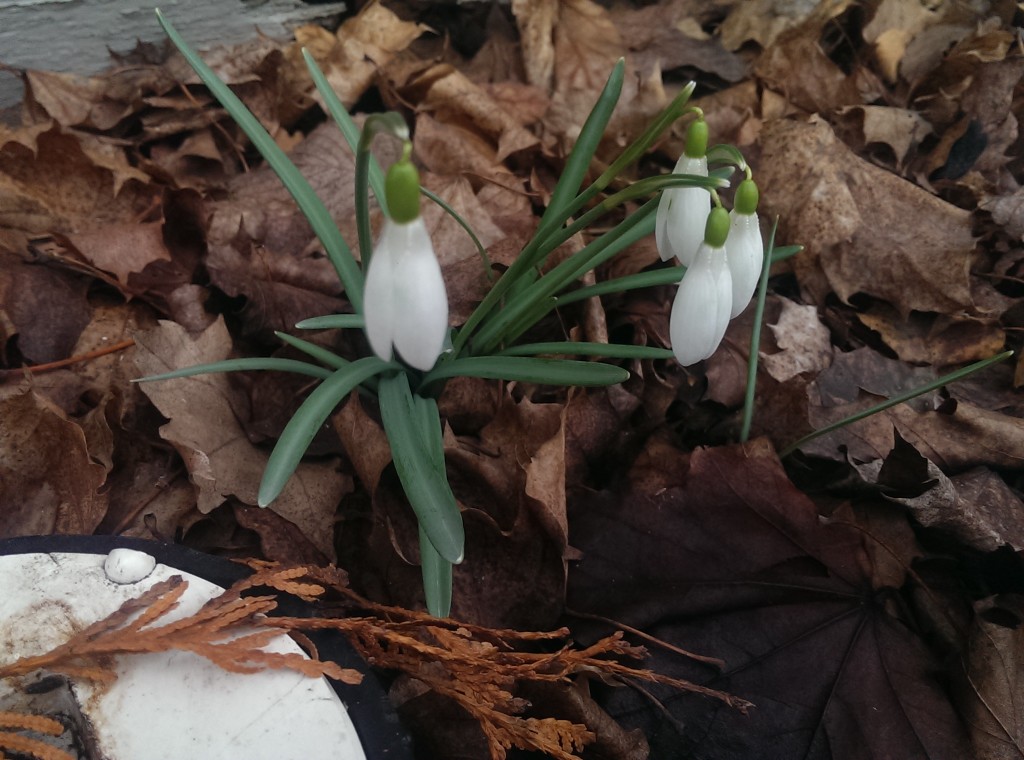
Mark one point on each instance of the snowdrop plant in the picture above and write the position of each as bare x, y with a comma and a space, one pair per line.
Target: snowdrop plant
723, 251
398, 295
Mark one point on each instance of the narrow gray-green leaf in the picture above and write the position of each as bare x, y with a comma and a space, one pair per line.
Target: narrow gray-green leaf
530, 370
243, 365
425, 484
304, 424
332, 322
581, 348
309, 203
668, 276
348, 128
321, 354
437, 578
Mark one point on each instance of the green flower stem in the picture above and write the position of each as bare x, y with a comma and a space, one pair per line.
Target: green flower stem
755, 338
481, 251
644, 187
959, 374
393, 124
661, 122
310, 204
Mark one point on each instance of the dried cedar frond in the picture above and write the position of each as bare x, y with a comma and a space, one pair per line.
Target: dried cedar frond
228, 630
28, 745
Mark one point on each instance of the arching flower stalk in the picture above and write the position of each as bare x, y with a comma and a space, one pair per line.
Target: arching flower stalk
406, 304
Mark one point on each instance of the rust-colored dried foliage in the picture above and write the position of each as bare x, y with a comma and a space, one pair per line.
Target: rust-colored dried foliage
478, 668
28, 745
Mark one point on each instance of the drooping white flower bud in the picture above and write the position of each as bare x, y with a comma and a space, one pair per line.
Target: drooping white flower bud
744, 248
683, 211
405, 300
703, 302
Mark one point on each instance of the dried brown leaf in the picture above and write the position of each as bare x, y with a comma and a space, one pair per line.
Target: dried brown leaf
853, 219
48, 482
204, 428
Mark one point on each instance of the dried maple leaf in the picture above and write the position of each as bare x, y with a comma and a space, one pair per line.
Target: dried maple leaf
736, 563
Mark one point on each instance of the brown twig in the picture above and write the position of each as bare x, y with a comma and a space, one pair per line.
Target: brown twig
36, 369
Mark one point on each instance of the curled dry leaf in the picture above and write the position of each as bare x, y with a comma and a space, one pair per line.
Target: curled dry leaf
865, 230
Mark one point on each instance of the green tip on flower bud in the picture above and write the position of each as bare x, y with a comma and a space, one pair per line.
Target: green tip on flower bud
747, 196
697, 139
717, 228
402, 188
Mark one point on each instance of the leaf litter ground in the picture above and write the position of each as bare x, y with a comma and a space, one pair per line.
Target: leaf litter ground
864, 593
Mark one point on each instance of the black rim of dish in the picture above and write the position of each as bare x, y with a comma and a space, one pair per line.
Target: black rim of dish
376, 722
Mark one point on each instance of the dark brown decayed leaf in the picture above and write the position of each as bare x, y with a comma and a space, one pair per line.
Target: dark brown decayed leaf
736, 564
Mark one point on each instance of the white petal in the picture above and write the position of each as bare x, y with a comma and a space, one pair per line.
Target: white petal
379, 294
745, 252
421, 300
681, 226
700, 312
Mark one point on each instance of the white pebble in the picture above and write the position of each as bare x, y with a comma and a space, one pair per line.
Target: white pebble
128, 566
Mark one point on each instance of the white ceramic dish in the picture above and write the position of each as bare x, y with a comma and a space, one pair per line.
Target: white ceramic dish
168, 705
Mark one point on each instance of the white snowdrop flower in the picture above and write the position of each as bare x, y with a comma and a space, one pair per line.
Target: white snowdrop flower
744, 248
683, 211
405, 301
703, 303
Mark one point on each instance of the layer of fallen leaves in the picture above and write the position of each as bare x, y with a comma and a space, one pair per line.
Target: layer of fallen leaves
138, 231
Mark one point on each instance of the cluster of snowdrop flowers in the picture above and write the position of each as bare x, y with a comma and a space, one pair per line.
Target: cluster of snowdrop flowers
722, 251
406, 302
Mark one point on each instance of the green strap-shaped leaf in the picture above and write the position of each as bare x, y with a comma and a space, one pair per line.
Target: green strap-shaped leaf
561, 199
332, 322
413, 427
348, 128
437, 578
309, 203
581, 348
506, 325
667, 276
306, 421
321, 354
243, 365
530, 370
